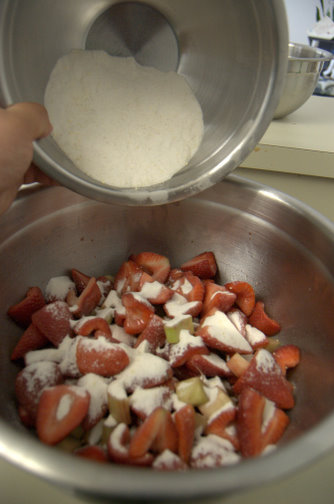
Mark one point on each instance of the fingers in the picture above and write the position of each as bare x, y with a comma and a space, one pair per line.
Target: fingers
33, 117
34, 174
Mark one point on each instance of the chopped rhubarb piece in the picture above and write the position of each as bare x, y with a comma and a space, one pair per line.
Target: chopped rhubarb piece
217, 400
53, 320
60, 409
237, 364
87, 300
203, 265
156, 265
191, 391
185, 424
287, 356
118, 403
173, 327
21, 312
217, 296
265, 375
262, 321
245, 295
31, 339
100, 356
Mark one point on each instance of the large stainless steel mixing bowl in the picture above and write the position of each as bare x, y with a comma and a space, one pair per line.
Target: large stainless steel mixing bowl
233, 54
282, 247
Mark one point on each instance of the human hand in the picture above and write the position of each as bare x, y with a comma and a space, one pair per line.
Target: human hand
20, 125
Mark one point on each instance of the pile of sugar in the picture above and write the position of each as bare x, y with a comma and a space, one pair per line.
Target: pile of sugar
123, 124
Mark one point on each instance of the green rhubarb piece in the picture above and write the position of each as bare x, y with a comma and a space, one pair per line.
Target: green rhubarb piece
218, 401
273, 344
191, 391
174, 326
119, 409
69, 444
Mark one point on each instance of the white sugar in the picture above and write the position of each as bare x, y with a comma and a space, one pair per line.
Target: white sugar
212, 451
64, 406
254, 335
186, 341
143, 369
265, 362
58, 287
97, 388
147, 400
151, 289
178, 305
221, 328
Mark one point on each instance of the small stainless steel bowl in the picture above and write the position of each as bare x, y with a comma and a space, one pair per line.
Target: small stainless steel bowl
233, 55
282, 247
304, 67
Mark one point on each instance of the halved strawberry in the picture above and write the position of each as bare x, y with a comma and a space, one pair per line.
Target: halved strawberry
118, 448
157, 432
185, 423
264, 375
90, 325
245, 295
128, 278
53, 320
154, 333
249, 421
229, 433
262, 321
92, 452
209, 365
21, 312
156, 265
220, 419
152, 290
138, 313
287, 356
275, 427
217, 296
188, 285
178, 305
80, 279
87, 300
31, 339
203, 265
187, 346
29, 385
60, 410
100, 356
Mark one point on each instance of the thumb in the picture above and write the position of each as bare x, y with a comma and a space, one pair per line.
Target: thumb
33, 117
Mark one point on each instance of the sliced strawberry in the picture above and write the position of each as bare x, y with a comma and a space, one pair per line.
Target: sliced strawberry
209, 365
187, 346
264, 375
245, 295
154, 333
249, 422
178, 305
80, 279
60, 410
219, 333
220, 419
217, 296
138, 313
128, 278
31, 339
29, 385
239, 319
144, 401
87, 301
53, 320
92, 452
262, 321
118, 448
89, 325
21, 312
100, 356
287, 356
156, 265
275, 427
158, 429
152, 290
229, 433
188, 285
185, 424
203, 265
96, 386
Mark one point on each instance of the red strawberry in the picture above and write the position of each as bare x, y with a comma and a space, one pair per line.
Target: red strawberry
118, 448
128, 278
188, 286
249, 422
154, 333
157, 429
169, 461
209, 365
245, 295
31, 339
21, 312
29, 385
239, 319
264, 375
261, 321
138, 313
154, 291
203, 265
100, 356
178, 305
60, 410
87, 301
187, 346
53, 320
219, 420
92, 452
275, 427
287, 356
217, 296
185, 424
156, 265
91, 325
228, 433
80, 279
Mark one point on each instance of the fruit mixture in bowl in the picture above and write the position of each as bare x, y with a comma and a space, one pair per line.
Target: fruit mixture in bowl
158, 366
